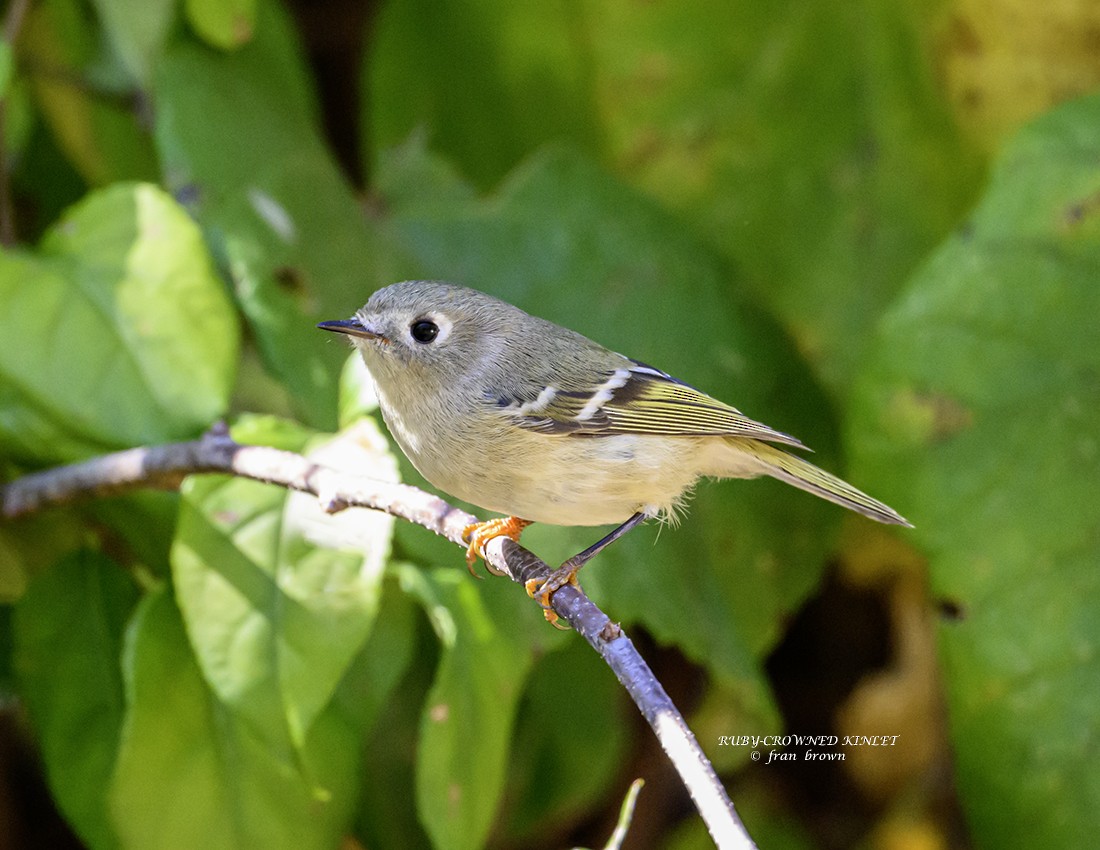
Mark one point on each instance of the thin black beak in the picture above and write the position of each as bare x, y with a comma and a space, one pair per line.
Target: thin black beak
351, 327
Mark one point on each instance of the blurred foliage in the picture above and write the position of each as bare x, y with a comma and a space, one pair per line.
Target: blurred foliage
983, 401
871, 225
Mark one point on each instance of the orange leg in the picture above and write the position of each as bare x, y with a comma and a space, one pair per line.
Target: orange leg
480, 533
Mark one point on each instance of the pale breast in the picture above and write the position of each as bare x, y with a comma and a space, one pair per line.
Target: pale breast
564, 480
554, 479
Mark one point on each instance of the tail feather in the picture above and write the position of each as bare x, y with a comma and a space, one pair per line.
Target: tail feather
799, 473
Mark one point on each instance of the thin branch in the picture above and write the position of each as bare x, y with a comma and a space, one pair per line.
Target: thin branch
166, 465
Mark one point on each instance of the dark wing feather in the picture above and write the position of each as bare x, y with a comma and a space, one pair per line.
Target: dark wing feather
637, 399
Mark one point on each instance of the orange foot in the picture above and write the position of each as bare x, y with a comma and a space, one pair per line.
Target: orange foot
541, 591
480, 533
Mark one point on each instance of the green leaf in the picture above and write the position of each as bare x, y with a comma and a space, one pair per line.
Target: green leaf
7, 69
137, 30
191, 774
382, 661
134, 516
7, 649
569, 751
980, 412
811, 143
13, 574
566, 241
118, 331
32, 544
387, 812
68, 631
479, 69
92, 116
222, 23
357, 395
20, 123
1002, 68
366, 696
238, 137
278, 596
466, 727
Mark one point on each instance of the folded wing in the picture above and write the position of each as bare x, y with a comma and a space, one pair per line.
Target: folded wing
636, 399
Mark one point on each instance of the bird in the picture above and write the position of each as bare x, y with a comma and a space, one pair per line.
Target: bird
526, 418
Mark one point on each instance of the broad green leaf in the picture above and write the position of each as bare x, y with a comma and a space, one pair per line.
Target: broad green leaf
222, 23
1004, 63
7, 69
92, 118
190, 773
144, 519
567, 752
13, 574
382, 661
33, 544
238, 136
467, 721
357, 395
568, 242
137, 30
387, 812
45, 172
367, 696
979, 414
118, 332
7, 649
68, 633
811, 143
278, 596
20, 120
481, 68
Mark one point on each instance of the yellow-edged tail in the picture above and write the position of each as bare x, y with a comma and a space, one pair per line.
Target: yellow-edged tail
799, 473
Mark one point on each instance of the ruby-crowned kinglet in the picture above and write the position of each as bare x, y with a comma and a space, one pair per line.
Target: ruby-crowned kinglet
524, 417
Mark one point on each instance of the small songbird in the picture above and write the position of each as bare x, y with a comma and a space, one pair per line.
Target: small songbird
526, 418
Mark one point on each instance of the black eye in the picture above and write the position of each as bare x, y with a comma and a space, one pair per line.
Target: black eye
424, 331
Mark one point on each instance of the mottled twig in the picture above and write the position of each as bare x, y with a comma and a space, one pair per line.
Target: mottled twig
166, 465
